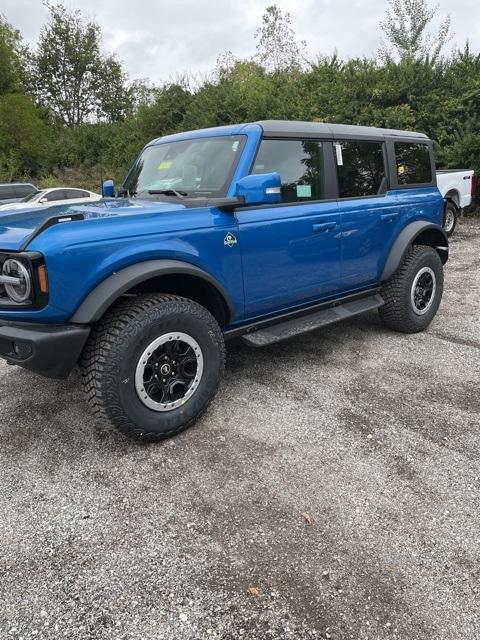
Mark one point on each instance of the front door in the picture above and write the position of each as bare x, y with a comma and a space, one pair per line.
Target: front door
290, 251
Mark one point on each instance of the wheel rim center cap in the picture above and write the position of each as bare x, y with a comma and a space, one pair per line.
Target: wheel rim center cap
165, 369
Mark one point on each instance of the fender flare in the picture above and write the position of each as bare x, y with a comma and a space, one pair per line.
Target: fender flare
406, 238
104, 294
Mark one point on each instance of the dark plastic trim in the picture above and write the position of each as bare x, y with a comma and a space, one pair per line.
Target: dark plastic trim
49, 350
50, 222
405, 239
105, 294
270, 321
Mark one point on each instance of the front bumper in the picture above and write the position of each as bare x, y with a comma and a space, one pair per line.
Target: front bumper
52, 350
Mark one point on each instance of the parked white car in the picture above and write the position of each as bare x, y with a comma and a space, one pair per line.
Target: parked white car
49, 197
457, 186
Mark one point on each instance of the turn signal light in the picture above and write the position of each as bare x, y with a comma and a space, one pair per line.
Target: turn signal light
42, 278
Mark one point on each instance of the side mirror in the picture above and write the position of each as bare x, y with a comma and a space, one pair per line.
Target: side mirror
43, 200
260, 188
108, 189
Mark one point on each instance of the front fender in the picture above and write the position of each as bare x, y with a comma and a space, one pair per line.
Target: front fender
434, 236
105, 294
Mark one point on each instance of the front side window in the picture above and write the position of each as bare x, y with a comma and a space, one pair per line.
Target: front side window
413, 163
195, 167
59, 194
360, 168
300, 165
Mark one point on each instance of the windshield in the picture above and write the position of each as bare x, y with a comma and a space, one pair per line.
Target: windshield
197, 167
32, 196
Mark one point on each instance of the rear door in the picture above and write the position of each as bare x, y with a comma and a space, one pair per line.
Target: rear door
369, 210
291, 251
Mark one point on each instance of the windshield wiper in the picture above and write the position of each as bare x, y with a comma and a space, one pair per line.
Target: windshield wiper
167, 192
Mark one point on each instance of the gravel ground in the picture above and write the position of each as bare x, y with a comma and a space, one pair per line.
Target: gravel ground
374, 435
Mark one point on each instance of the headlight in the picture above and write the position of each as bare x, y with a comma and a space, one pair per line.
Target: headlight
17, 280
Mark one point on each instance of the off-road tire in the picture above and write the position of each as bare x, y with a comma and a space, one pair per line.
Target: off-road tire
398, 311
452, 210
115, 346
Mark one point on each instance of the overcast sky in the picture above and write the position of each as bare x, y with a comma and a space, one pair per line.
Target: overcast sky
158, 39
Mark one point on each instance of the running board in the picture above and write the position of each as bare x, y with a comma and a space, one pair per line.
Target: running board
312, 321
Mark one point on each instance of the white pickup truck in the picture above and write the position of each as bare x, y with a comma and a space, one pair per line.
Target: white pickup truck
457, 186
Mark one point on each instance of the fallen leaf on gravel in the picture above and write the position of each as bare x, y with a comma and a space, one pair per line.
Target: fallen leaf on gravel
308, 518
253, 591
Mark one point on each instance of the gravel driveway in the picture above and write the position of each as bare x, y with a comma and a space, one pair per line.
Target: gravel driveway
374, 436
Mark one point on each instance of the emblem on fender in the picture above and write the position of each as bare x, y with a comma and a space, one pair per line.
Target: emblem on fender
230, 240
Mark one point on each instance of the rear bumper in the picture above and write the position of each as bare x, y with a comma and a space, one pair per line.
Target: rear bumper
50, 350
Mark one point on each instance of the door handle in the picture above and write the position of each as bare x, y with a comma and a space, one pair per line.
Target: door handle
324, 226
388, 217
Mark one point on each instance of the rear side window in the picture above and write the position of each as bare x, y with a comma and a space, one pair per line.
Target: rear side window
413, 163
22, 190
361, 168
300, 165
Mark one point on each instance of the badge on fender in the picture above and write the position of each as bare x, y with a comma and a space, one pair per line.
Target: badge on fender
229, 240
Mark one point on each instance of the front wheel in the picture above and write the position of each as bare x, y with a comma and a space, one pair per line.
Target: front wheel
412, 296
152, 365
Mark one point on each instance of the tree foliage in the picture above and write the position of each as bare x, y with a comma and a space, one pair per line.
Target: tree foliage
12, 58
70, 75
406, 29
277, 47
100, 122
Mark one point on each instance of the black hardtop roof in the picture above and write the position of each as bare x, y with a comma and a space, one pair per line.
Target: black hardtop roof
294, 128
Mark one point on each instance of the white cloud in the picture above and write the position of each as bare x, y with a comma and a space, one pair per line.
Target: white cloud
159, 39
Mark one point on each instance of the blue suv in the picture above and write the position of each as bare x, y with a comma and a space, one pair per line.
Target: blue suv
261, 230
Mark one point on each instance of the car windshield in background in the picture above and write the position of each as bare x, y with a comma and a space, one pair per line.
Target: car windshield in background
31, 196
197, 167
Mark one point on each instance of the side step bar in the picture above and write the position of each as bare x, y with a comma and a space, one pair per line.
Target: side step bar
312, 321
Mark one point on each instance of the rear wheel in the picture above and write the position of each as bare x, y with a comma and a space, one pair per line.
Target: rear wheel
152, 365
451, 215
412, 296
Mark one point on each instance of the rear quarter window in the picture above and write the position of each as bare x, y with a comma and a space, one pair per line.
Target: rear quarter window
413, 163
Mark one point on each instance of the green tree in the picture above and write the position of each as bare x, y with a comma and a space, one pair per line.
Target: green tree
12, 58
70, 75
277, 47
405, 28
24, 136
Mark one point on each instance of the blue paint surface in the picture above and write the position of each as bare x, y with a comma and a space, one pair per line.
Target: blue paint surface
285, 256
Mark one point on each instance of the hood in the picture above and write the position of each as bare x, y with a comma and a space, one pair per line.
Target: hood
16, 225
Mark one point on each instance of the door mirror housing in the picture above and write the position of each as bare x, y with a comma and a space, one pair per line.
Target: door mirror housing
43, 200
259, 188
108, 189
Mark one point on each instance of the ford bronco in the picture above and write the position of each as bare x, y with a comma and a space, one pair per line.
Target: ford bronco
262, 230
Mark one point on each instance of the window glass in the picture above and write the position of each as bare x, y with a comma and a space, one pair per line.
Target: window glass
35, 195
413, 163
199, 166
360, 167
300, 165
76, 193
58, 194
7, 192
23, 190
